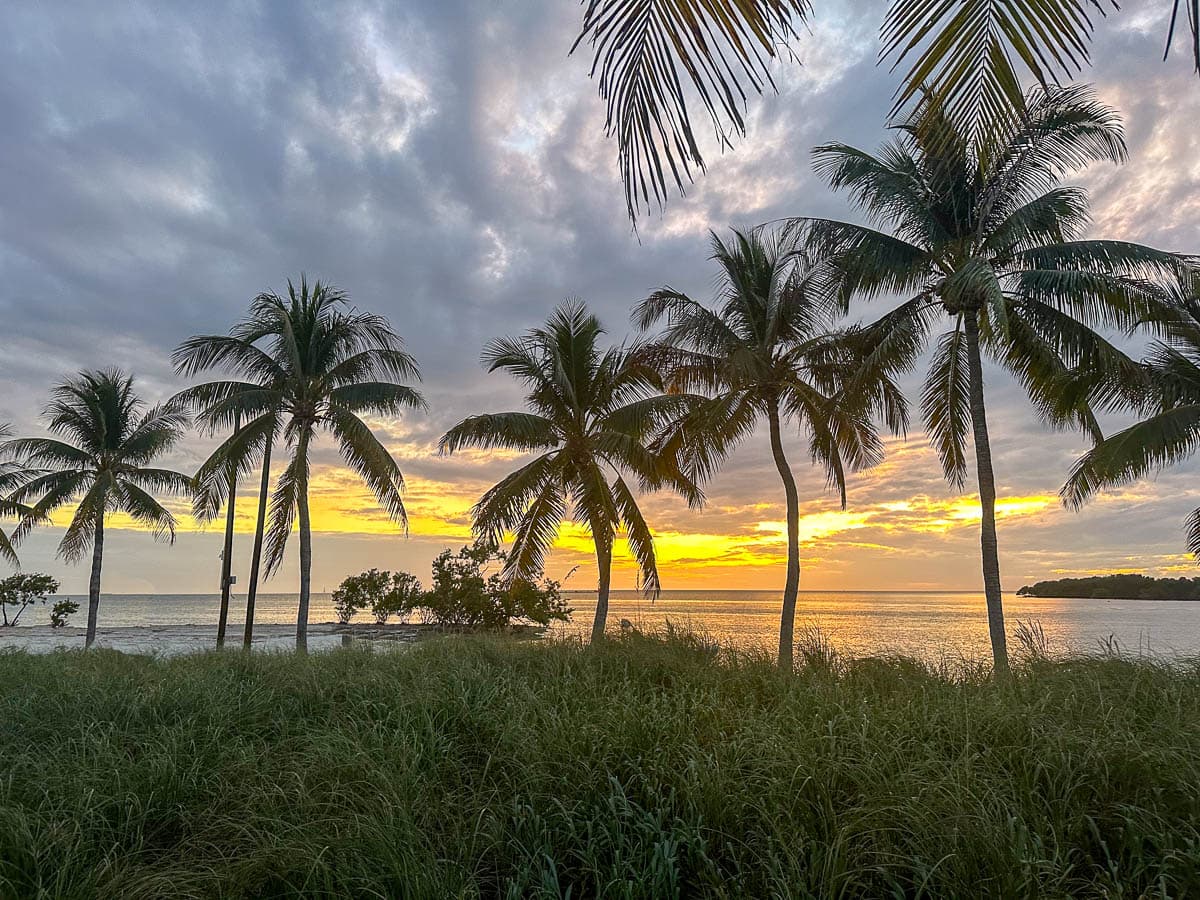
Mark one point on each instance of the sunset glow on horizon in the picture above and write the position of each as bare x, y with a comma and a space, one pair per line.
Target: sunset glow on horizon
725, 546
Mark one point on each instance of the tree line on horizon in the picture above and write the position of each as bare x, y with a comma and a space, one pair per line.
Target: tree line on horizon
1123, 586
973, 230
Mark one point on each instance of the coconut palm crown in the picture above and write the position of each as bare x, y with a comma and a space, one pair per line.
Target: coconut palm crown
593, 413
982, 236
308, 363
103, 465
769, 350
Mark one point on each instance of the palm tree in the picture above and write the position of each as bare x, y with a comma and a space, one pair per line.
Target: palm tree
246, 447
309, 363
592, 414
103, 465
984, 236
650, 56
767, 351
1169, 395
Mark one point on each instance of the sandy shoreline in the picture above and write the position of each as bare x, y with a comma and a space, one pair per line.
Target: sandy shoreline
174, 640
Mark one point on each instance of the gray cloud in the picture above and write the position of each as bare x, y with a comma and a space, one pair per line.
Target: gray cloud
444, 163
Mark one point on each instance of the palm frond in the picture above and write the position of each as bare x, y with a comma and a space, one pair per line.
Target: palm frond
47, 452
638, 535
1193, 17
502, 506
1036, 351
380, 398
233, 459
371, 461
535, 531
8, 552
649, 54
144, 510
860, 261
1099, 372
1148, 446
373, 364
284, 499
79, 535
1191, 530
52, 489
702, 439
157, 432
1053, 217
945, 403
971, 54
235, 354
687, 320
509, 430
1061, 130
841, 435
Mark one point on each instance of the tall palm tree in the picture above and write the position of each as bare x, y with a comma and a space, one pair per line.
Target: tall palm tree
102, 465
650, 57
309, 363
1169, 396
985, 238
592, 415
767, 350
246, 448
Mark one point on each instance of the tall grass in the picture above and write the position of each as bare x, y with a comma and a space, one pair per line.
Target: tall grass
469, 767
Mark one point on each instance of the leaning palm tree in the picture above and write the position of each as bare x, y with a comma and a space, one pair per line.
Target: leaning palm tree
768, 351
592, 415
985, 238
103, 465
1169, 396
308, 363
659, 63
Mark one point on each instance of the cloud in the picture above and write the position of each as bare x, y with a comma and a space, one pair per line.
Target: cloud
443, 161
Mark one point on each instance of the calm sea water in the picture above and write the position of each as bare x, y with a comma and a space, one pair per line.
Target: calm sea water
928, 625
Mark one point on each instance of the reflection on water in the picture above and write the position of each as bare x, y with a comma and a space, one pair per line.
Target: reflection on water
929, 625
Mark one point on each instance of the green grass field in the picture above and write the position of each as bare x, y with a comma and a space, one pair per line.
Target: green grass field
472, 767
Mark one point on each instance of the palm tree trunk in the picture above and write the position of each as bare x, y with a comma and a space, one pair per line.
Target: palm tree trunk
305, 552
791, 585
604, 564
256, 560
94, 584
226, 564
987, 498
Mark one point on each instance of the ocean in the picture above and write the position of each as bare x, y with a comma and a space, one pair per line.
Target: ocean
929, 625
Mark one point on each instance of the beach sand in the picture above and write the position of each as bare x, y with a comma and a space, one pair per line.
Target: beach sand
174, 640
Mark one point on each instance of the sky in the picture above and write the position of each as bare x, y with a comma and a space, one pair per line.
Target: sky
444, 162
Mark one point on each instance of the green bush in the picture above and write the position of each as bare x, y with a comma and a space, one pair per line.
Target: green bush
385, 594
22, 591
400, 599
61, 611
465, 595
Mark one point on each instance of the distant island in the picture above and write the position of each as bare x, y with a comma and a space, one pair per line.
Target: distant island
1116, 587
